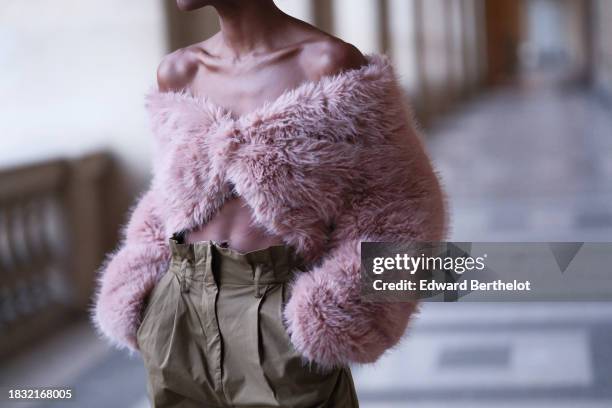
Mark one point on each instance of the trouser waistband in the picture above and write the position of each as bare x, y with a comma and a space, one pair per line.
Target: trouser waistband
196, 261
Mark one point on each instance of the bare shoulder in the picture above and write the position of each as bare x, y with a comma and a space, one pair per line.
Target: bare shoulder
177, 69
330, 56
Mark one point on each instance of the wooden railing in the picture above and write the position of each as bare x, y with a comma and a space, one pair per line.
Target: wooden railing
50, 244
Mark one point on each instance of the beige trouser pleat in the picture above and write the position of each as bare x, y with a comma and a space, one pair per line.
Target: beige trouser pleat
212, 335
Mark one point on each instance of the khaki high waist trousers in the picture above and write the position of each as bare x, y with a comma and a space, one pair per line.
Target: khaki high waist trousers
212, 334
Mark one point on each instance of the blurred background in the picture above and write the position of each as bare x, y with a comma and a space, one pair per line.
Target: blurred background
515, 100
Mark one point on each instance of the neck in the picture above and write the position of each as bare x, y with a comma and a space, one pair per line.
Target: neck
248, 25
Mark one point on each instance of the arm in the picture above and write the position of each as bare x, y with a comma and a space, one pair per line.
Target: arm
327, 320
130, 272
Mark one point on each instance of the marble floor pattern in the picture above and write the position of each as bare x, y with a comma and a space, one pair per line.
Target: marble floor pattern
518, 165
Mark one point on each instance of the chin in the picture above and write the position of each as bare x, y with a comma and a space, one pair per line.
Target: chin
188, 5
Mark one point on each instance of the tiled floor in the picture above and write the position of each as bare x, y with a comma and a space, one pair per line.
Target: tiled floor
528, 165
541, 355
518, 166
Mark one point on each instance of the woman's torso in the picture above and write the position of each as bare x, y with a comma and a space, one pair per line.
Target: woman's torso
242, 86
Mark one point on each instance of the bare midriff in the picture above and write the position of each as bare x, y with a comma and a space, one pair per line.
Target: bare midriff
233, 226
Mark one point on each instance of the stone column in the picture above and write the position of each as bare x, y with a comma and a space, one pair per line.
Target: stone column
189, 28
403, 44
470, 42
360, 23
435, 56
323, 15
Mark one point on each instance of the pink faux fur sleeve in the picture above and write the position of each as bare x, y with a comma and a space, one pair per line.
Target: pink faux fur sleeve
330, 324
328, 321
130, 272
